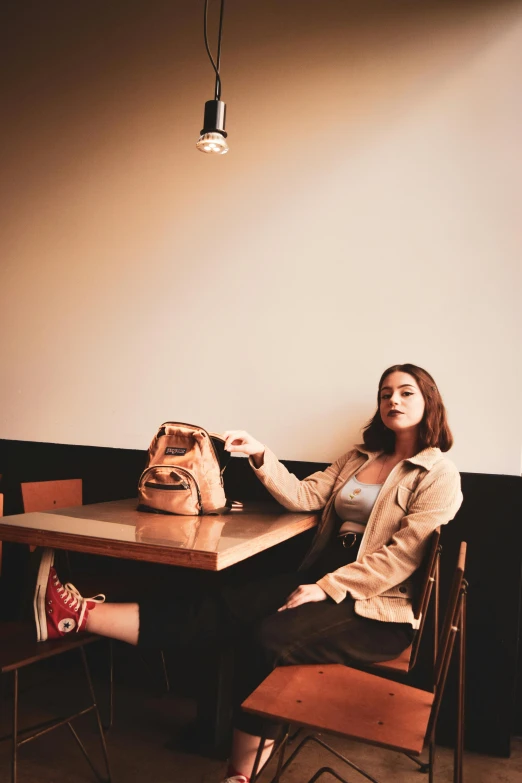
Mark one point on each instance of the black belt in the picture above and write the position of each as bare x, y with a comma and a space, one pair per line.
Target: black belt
349, 539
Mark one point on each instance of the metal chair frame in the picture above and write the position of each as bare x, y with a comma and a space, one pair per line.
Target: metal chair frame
20, 737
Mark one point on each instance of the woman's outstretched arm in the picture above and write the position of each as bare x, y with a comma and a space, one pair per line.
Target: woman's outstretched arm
310, 494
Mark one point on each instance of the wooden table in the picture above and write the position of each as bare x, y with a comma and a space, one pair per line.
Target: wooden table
117, 529
209, 543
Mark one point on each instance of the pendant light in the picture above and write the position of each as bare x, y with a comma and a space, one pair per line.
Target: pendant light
213, 135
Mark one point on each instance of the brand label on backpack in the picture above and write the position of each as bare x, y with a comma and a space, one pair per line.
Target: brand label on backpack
175, 451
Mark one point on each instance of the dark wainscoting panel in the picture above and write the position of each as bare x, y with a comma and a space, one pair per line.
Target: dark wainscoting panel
108, 474
490, 520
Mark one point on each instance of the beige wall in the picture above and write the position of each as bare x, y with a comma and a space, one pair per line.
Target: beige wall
367, 214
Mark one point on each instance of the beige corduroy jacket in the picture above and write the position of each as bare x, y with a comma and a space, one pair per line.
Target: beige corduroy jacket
420, 494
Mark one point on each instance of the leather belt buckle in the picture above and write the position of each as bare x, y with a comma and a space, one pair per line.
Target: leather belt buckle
349, 540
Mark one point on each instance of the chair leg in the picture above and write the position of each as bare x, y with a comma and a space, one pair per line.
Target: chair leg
280, 760
165, 672
423, 765
255, 769
14, 757
323, 771
459, 744
108, 726
432, 759
314, 738
98, 718
275, 749
84, 752
292, 737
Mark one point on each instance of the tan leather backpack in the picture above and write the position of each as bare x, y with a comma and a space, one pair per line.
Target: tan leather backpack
184, 472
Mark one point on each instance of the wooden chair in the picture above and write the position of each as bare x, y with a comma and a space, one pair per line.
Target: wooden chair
19, 649
364, 706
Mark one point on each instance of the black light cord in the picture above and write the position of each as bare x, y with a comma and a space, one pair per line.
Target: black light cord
220, 33
205, 29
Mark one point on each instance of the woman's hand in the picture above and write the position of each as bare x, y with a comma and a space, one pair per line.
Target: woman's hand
303, 595
239, 440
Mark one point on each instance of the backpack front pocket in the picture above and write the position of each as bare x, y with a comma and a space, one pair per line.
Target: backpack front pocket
170, 490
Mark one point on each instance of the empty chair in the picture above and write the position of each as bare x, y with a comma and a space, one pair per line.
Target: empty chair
364, 706
48, 495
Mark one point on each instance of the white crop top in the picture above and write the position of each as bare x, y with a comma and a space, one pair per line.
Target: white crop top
354, 503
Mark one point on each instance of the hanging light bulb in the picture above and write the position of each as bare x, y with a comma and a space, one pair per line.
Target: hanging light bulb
212, 142
213, 136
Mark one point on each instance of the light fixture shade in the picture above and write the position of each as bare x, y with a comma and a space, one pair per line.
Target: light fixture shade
213, 134
212, 143
214, 117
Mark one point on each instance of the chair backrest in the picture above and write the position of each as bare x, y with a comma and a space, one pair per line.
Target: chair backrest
428, 581
426, 575
454, 620
48, 495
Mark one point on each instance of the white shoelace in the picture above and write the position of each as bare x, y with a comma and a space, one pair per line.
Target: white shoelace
74, 599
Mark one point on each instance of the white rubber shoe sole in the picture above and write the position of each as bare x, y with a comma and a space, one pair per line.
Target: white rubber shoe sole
39, 594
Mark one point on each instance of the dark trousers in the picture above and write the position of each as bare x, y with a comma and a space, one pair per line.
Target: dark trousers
246, 616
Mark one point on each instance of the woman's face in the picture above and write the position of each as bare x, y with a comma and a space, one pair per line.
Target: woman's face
401, 403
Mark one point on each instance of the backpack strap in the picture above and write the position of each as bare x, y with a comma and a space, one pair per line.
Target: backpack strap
222, 455
224, 458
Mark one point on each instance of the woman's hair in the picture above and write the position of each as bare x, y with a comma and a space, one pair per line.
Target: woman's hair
433, 429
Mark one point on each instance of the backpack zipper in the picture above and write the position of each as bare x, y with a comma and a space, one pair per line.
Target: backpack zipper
181, 470
168, 487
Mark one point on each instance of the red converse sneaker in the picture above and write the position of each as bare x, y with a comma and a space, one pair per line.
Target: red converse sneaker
58, 609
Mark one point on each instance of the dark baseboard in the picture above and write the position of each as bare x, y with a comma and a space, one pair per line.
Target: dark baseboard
489, 520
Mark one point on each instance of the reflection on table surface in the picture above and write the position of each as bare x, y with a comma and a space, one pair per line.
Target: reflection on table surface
201, 533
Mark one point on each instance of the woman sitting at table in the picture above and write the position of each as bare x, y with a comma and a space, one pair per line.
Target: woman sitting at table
351, 601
